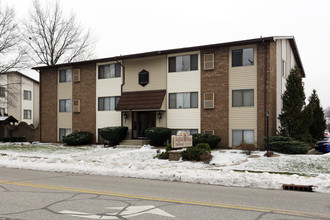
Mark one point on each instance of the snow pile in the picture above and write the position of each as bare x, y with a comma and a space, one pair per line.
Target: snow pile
140, 163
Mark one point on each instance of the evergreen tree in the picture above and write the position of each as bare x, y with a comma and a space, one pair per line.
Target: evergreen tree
292, 116
317, 123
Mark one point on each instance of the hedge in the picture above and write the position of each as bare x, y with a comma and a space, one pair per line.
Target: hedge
114, 135
13, 139
212, 140
78, 138
287, 145
157, 136
195, 153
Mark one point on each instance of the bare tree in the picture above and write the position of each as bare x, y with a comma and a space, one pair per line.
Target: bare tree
11, 52
12, 56
55, 38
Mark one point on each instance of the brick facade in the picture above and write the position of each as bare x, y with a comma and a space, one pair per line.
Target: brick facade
271, 91
85, 91
48, 105
217, 81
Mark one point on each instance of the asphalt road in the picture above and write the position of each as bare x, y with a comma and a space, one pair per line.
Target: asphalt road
26, 194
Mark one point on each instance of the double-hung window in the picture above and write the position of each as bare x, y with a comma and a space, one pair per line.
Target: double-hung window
27, 95
243, 98
109, 71
242, 136
27, 114
183, 63
107, 103
242, 57
65, 105
65, 75
183, 100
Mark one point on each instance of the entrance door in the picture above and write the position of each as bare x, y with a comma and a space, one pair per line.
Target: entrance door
142, 121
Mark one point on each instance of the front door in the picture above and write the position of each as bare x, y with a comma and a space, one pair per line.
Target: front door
142, 121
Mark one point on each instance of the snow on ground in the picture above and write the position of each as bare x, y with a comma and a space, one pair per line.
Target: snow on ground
140, 163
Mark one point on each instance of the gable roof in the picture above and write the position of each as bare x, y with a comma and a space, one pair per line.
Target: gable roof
187, 49
21, 74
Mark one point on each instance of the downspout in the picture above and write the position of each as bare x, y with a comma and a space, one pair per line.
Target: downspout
121, 86
265, 91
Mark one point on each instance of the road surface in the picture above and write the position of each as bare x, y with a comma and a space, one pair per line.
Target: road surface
27, 194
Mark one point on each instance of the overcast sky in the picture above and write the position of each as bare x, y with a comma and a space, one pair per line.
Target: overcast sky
132, 26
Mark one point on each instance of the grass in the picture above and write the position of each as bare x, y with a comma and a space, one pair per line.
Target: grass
41, 148
275, 172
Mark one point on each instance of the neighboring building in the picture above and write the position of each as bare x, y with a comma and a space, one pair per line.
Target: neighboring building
223, 89
19, 97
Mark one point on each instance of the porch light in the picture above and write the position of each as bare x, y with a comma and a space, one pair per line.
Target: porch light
160, 116
125, 116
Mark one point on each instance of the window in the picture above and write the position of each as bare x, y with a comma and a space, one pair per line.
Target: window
108, 103
65, 75
209, 132
27, 114
183, 100
2, 112
243, 98
65, 105
283, 68
242, 57
242, 136
189, 131
183, 63
109, 71
63, 132
27, 95
143, 78
2, 92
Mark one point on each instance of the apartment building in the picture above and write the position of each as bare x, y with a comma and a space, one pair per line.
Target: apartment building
226, 89
19, 97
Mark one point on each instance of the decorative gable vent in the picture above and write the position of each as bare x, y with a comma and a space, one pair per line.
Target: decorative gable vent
143, 78
209, 132
76, 75
76, 105
209, 61
209, 100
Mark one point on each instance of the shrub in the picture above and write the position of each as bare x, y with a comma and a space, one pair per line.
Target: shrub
78, 138
158, 135
114, 135
278, 138
247, 148
196, 152
13, 139
212, 140
165, 155
289, 147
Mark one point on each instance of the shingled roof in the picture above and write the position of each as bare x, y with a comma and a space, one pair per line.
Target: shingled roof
149, 100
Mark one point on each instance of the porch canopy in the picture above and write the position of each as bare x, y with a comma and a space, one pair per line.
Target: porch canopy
5, 120
141, 100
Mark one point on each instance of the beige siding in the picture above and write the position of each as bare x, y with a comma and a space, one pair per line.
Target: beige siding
283, 52
27, 85
156, 66
3, 83
110, 87
188, 81
64, 119
244, 77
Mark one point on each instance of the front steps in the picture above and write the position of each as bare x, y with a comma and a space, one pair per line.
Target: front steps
132, 143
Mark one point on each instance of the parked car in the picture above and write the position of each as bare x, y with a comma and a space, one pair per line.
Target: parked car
323, 146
